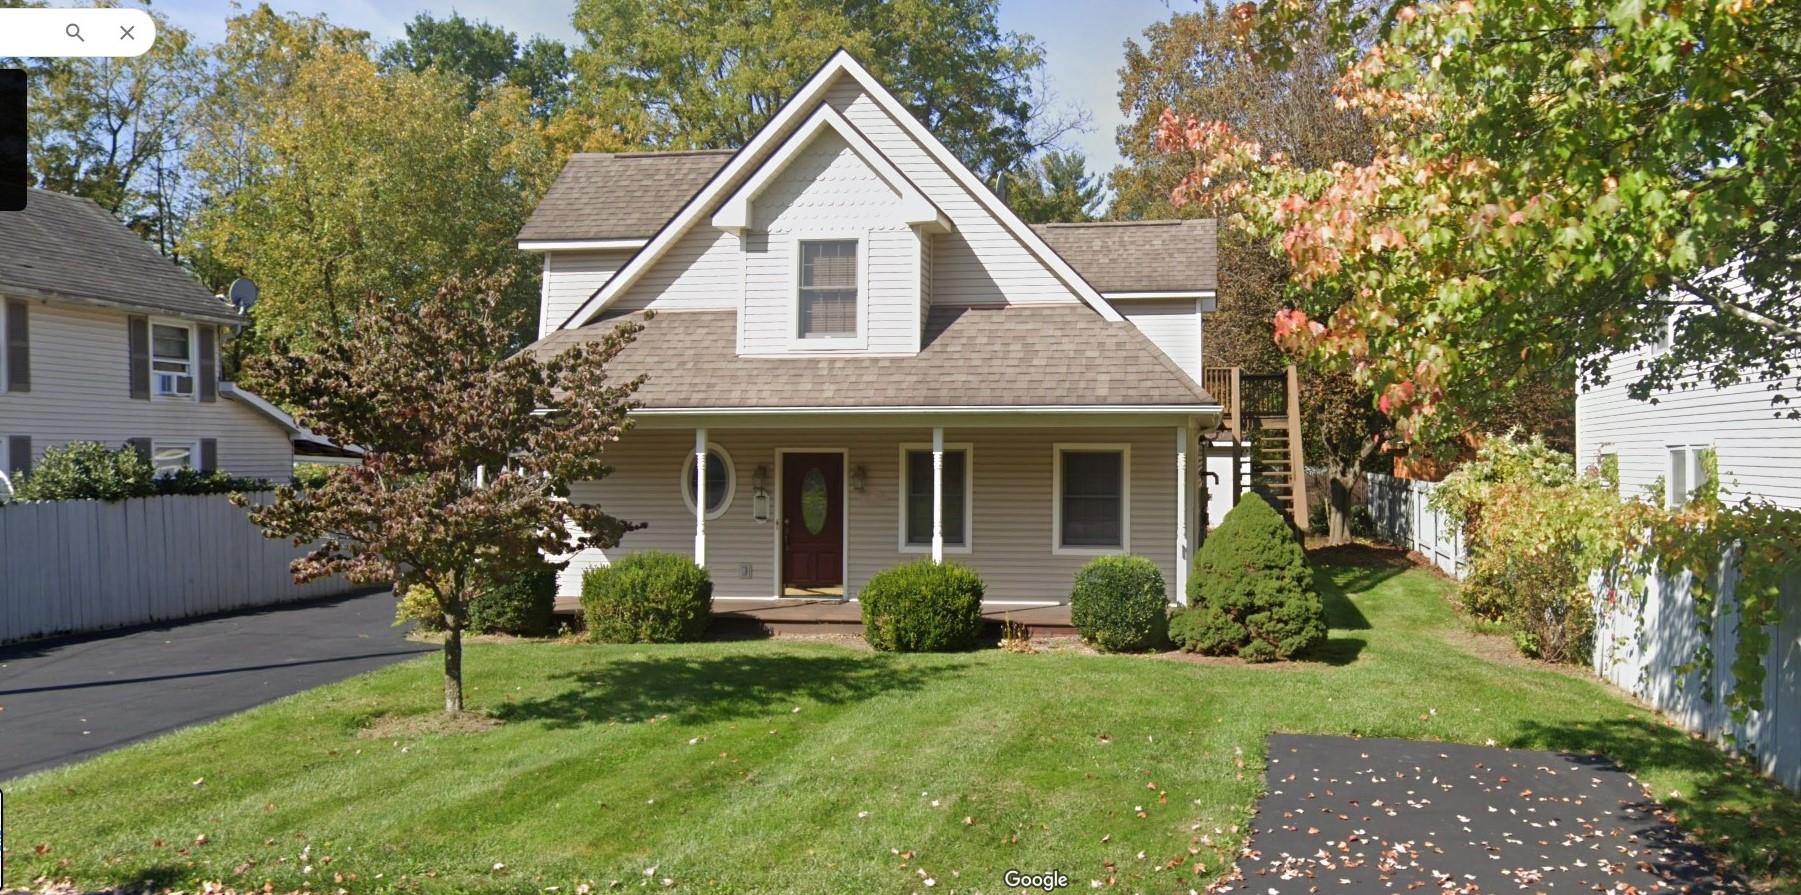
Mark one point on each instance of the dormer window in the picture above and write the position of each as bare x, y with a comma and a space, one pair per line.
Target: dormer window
828, 289
172, 360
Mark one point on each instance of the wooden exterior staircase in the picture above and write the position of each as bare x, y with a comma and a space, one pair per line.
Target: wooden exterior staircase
1263, 416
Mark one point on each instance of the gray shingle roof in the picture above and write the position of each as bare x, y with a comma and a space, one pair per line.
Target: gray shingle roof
1139, 256
621, 195
63, 246
1064, 355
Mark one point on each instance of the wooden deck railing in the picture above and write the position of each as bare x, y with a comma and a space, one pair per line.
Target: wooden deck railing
1263, 399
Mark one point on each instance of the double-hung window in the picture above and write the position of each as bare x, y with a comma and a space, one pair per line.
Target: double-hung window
168, 457
172, 360
827, 300
916, 490
1093, 507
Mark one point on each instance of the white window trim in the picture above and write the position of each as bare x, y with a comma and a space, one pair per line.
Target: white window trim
854, 343
731, 481
969, 498
5, 386
193, 447
1691, 457
193, 358
1125, 499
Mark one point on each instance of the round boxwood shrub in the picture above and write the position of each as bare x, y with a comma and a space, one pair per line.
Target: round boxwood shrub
649, 597
923, 607
521, 605
1251, 593
1120, 604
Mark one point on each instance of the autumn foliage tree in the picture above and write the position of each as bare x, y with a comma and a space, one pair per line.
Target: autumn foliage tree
1552, 181
463, 482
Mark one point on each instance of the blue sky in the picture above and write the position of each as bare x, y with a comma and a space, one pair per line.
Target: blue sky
1083, 39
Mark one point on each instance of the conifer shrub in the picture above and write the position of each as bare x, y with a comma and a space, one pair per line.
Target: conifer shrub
1119, 604
650, 597
1251, 591
923, 607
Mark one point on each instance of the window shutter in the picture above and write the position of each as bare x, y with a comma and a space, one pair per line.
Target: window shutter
142, 446
209, 455
18, 346
138, 335
18, 454
209, 367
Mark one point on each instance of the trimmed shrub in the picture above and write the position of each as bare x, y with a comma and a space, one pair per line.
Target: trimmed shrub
650, 597
418, 606
521, 605
1120, 604
923, 607
1251, 593
89, 470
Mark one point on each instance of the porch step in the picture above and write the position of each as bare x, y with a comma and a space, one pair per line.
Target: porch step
763, 618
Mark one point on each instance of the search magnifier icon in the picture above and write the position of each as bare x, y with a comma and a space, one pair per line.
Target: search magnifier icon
74, 31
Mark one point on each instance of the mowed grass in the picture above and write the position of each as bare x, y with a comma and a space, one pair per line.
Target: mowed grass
788, 766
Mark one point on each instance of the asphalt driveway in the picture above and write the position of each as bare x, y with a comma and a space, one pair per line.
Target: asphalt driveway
1353, 816
64, 700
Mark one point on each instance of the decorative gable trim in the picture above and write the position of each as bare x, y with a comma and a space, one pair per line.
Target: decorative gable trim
810, 95
917, 210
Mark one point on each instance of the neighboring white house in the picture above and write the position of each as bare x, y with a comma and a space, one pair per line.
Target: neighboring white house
870, 359
1757, 452
102, 339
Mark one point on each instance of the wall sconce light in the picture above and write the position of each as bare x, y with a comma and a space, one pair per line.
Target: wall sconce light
759, 499
859, 478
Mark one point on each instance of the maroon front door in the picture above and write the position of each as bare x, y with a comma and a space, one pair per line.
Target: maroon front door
812, 521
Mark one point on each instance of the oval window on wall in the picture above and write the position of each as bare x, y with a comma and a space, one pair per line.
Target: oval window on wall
813, 501
721, 481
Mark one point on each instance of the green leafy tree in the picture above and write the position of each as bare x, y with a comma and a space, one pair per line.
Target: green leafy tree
688, 75
1552, 181
362, 184
113, 130
484, 56
464, 483
1056, 188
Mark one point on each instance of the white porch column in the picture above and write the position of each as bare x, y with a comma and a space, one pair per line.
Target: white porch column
937, 494
700, 497
1181, 594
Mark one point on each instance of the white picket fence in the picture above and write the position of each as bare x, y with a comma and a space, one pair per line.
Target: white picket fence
1403, 516
86, 565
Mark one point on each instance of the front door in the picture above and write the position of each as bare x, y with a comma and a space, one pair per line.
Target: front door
813, 522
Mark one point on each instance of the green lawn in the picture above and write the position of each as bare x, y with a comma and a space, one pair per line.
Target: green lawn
784, 766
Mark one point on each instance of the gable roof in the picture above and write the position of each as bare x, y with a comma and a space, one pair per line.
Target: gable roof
623, 195
775, 131
1140, 256
1020, 356
65, 247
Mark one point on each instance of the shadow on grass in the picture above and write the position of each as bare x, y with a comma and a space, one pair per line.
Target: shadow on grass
1734, 810
700, 690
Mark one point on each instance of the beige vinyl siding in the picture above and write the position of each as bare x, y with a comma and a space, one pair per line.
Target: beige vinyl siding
571, 277
1011, 520
827, 191
701, 272
80, 392
979, 264
1174, 324
1759, 450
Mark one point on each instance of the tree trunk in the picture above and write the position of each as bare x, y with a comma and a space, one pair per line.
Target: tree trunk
453, 670
1338, 504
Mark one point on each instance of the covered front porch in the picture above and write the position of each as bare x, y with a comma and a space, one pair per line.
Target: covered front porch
792, 513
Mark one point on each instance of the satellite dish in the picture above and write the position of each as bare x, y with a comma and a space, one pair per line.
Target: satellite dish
242, 293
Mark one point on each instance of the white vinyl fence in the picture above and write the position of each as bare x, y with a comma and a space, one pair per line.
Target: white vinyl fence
86, 565
1400, 510
1642, 649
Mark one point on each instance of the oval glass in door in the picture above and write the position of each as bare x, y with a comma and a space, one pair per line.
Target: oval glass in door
814, 496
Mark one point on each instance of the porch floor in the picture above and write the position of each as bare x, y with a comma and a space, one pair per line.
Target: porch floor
841, 616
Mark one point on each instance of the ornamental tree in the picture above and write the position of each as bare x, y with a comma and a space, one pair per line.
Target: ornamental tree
1553, 181
462, 471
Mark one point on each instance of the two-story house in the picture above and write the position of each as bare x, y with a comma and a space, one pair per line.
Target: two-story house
102, 339
860, 356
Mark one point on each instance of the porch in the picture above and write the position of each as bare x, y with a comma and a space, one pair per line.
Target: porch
737, 615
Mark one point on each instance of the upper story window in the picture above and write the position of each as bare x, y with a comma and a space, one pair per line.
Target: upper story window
828, 289
172, 359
